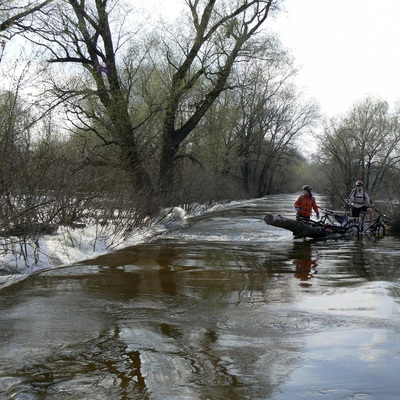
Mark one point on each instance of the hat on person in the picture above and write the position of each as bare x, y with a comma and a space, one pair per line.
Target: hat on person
359, 183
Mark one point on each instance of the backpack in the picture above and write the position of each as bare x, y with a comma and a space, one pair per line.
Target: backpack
354, 191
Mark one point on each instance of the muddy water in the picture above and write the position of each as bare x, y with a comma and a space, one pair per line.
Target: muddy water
226, 308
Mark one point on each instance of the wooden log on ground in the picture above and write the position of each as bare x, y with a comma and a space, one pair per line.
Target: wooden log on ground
299, 228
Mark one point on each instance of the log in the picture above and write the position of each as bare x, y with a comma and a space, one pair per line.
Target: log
299, 228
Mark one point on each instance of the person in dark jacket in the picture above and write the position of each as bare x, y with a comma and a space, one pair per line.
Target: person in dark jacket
306, 203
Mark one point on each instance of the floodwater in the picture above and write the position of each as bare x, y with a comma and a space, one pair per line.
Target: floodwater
225, 308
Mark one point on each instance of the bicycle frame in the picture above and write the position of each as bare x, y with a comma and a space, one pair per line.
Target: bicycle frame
334, 217
376, 226
330, 222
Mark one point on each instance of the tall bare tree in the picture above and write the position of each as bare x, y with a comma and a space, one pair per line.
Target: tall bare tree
270, 118
85, 33
220, 36
88, 34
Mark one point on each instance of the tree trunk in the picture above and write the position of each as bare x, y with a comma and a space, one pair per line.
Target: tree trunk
299, 229
167, 163
142, 187
187, 74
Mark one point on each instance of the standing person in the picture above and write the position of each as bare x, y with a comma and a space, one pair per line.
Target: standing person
305, 204
360, 200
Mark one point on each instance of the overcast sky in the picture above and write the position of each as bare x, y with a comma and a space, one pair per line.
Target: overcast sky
345, 49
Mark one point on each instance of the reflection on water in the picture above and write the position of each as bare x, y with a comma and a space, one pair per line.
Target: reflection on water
227, 308
305, 265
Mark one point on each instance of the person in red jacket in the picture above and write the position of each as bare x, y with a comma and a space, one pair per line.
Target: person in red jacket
306, 203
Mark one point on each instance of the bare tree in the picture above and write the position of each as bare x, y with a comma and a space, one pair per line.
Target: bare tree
85, 33
361, 145
88, 33
16, 17
246, 144
14, 14
283, 121
268, 106
219, 39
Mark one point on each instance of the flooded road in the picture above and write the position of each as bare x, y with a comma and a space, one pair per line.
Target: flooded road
226, 308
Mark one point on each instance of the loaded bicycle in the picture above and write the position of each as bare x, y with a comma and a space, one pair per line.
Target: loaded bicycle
376, 226
335, 223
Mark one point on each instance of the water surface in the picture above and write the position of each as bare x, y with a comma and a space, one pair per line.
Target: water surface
226, 308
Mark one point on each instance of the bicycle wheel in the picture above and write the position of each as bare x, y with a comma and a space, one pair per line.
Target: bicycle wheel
352, 230
379, 230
